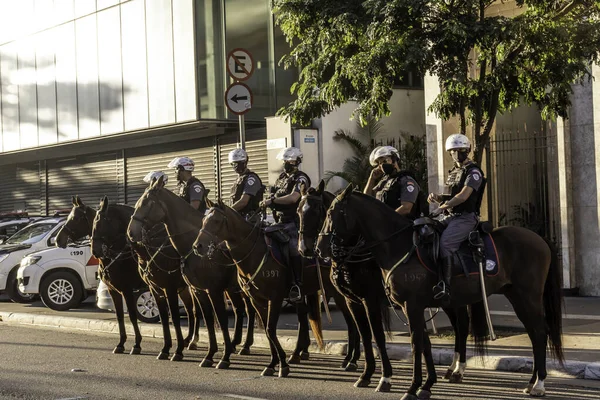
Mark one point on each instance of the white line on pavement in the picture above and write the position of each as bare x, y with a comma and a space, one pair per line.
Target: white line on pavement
236, 396
565, 316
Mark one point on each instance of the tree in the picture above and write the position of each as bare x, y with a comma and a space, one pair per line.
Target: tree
486, 63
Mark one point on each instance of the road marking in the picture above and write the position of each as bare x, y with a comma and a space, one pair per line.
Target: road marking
237, 396
566, 316
74, 398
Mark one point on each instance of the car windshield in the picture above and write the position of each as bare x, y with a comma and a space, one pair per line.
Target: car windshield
31, 234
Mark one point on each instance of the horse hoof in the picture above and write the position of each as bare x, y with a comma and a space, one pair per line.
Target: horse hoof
136, 351
384, 387
345, 364
244, 351
537, 392
362, 383
424, 394
351, 367
294, 359
206, 363
455, 378
177, 357
223, 364
448, 374
304, 356
527, 390
192, 346
268, 372
408, 396
119, 350
283, 372
162, 356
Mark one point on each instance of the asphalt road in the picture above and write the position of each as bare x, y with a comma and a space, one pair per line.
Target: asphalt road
52, 364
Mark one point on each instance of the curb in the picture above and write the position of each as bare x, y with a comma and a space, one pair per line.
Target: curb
396, 351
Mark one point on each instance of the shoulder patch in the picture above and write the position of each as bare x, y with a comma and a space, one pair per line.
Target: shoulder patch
410, 188
197, 189
251, 181
476, 175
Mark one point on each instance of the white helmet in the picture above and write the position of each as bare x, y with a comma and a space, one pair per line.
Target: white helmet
290, 154
457, 141
382, 151
155, 175
184, 162
237, 155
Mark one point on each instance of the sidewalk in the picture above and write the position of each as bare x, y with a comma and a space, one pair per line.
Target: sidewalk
511, 352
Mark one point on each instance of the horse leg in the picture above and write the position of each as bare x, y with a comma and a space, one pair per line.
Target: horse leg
303, 340
118, 304
353, 353
362, 322
209, 321
425, 392
531, 314
238, 312
218, 303
373, 308
172, 298
251, 313
263, 314
459, 318
416, 321
131, 310
272, 320
188, 303
163, 311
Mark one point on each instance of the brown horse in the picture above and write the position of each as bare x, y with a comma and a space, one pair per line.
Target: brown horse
529, 277
158, 265
263, 278
159, 206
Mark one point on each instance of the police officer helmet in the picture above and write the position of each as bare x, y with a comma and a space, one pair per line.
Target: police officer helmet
383, 151
458, 141
184, 163
290, 154
156, 175
237, 155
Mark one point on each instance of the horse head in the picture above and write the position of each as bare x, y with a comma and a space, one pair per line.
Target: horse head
214, 230
149, 211
108, 232
311, 211
78, 224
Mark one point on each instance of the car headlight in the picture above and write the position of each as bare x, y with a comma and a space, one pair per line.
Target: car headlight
4, 256
29, 260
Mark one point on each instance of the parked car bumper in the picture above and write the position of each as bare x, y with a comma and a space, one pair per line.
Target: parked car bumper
29, 278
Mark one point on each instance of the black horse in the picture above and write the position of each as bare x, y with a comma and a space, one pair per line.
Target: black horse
156, 262
529, 277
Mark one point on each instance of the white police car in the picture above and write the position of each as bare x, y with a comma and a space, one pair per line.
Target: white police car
34, 237
62, 277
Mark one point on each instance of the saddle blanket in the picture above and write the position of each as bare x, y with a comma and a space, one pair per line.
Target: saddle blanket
277, 253
466, 256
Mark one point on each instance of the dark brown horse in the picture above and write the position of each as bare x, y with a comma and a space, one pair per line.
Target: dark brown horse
358, 277
263, 278
158, 265
160, 207
529, 277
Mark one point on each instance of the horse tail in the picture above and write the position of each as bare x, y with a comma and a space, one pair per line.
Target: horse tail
479, 328
553, 305
314, 318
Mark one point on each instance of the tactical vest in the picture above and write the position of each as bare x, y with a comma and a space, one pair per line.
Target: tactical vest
456, 181
285, 185
184, 193
237, 190
389, 189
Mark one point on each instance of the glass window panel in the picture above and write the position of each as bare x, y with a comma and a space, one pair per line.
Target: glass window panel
284, 78
64, 10
66, 82
10, 97
102, 4
44, 14
135, 78
46, 88
87, 76
183, 40
161, 88
109, 61
84, 7
27, 81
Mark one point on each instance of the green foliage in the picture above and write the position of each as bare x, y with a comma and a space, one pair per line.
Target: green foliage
486, 63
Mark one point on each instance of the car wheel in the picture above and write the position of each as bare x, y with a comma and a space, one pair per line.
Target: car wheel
61, 291
12, 289
145, 307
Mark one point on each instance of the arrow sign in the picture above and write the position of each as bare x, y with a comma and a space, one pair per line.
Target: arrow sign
238, 98
240, 64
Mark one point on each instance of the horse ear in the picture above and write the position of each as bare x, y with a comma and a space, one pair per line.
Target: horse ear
321, 186
347, 192
104, 204
74, 201
220, 203
209, 203
303, 189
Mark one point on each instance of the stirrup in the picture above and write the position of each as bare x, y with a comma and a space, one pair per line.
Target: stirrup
295, 294
440, 291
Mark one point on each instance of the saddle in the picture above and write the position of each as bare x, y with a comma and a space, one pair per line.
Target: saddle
478, 247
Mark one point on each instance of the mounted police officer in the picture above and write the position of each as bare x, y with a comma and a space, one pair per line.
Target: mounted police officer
248, 190
461, 206
390, 185
284, 204
155, 175
190, 188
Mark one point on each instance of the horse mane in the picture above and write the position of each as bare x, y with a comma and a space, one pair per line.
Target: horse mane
392, 218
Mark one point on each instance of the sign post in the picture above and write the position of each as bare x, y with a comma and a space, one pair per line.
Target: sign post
238, 96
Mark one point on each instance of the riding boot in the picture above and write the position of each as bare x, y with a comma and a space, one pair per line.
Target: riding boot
295, 294
441, 291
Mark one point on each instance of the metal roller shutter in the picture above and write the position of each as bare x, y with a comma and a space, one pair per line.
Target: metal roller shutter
140, 161
21, 188
90, 177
